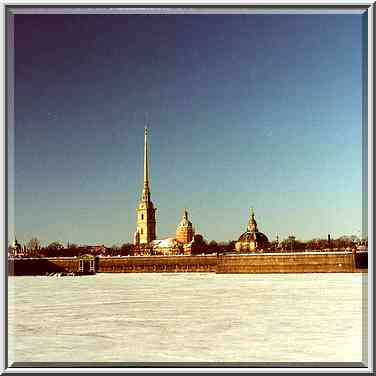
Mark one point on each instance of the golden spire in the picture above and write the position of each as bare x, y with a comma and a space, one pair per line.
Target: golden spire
146, 191
146, 169
252, 224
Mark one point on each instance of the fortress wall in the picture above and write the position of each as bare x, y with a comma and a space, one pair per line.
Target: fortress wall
331, 262
287, 263
41, 266
361, 260
157, 264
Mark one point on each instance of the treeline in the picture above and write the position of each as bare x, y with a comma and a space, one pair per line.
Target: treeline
74, 250
289, 244
206, 247
56, 249
339, 243
200, 246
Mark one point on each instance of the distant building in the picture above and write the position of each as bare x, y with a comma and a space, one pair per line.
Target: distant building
146, 223
184, 231
196, 246
174, 246
97, 249
166, 247
362, 245
252, 240
15, 249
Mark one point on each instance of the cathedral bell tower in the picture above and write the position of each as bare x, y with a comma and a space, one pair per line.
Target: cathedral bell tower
146, 223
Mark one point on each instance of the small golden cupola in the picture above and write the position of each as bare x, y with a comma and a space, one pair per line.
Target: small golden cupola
184, 231
252, 240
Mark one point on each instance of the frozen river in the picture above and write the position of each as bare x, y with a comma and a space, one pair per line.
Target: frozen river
189, 317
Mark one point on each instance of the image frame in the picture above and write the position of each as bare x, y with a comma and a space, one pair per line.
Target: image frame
368, 141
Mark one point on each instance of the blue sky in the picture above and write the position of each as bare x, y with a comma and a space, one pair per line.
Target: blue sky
261, 111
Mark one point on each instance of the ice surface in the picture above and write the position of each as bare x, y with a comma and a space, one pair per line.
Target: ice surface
188, 317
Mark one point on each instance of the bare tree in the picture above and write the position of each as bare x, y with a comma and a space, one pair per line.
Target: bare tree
33, 246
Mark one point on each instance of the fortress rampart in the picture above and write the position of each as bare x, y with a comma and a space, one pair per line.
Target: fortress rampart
157, 264
330, 262
315, 262
41, 266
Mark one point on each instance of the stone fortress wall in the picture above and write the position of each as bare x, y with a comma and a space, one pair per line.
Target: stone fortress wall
329, 262
314, 262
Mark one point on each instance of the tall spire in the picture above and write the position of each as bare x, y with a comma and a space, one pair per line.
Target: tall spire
252, 224
146, 167
146, 191
146, 223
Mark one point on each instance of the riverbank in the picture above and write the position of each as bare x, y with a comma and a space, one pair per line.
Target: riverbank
299, 262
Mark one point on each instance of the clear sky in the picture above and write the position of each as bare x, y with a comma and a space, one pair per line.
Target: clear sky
261, 111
